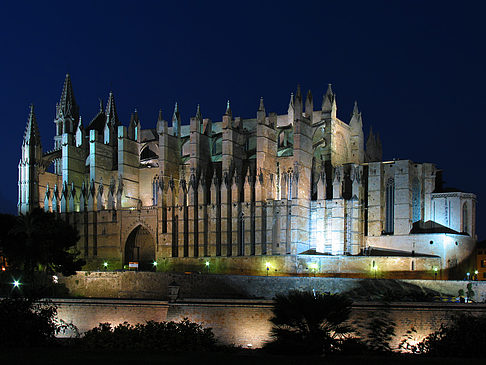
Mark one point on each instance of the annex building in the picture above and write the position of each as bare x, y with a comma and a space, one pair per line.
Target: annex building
290, 193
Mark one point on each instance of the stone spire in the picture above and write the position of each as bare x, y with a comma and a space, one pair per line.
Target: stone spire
31, 135
176, 121
110, 111
261, 114
298, 102
328, 99
67, 106
355, 109
261, 108
228, 108
159, 118
291, 109
309, 104
356, 121
198, 113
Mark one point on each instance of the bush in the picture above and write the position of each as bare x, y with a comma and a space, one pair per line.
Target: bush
379, 330
26, 323
309, 323
163, 336
464, 336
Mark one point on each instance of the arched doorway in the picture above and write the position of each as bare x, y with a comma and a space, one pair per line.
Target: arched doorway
140, 248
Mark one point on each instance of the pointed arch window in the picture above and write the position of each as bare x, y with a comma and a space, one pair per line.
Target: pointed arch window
465, 221
416, 203
390, 206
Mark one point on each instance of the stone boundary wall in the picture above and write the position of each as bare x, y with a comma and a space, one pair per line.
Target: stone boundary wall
246, 322
86, 314
154, 285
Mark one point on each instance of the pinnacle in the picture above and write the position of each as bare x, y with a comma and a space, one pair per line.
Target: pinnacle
228, 108
309, 95
355, 110
110, 111
31, 134
261, 108
159, 119
291, 103
67, 103
198, 112
175, 115
298, 94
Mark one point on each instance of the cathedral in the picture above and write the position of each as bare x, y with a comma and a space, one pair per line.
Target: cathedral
279, 194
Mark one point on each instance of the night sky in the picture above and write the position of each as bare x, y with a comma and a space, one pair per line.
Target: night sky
416, 68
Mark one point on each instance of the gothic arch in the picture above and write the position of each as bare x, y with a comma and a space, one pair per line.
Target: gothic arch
140, 247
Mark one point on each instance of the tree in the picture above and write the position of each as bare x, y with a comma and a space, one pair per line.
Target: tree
308, 322
39, 243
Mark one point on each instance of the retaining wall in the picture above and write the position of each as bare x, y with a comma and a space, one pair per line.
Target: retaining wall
154, 285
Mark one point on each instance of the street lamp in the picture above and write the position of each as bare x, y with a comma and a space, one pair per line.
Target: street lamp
375, 268
267, 265
105, 265
468, 275
435, 273
207, 265
476, 272
16, 284
313, 266
155, 265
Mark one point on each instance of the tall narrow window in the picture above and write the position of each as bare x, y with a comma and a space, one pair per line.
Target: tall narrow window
155, 187
289, 188
390, 206
465, 221
241, 228
416, 211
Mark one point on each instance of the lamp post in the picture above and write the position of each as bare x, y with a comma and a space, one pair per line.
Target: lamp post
314, 268
375, 268
435, 273
105, 265
468, 275
207, 265
267, 265
476, 272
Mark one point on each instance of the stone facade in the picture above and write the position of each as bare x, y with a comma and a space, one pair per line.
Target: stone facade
301, 183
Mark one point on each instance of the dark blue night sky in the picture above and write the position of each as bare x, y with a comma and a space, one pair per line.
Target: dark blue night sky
417, 69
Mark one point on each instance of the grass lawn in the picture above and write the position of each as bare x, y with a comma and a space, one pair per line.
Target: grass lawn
73, 356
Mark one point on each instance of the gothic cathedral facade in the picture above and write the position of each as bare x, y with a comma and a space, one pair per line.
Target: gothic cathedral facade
297, 192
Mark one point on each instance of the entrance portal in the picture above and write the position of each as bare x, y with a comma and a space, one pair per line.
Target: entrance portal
140, 248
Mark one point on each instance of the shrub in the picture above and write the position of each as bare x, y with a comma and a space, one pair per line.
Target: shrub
308, 322
464, 336
163, 336
26, 322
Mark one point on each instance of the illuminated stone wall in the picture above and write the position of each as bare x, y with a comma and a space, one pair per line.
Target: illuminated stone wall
246, 322
155, 285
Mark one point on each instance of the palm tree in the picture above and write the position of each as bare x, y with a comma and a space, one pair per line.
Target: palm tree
309, 322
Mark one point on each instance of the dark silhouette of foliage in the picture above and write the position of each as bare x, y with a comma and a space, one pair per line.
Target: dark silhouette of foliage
26, 323
39, 241
380, 330
308, 322
163, 336
464, 336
